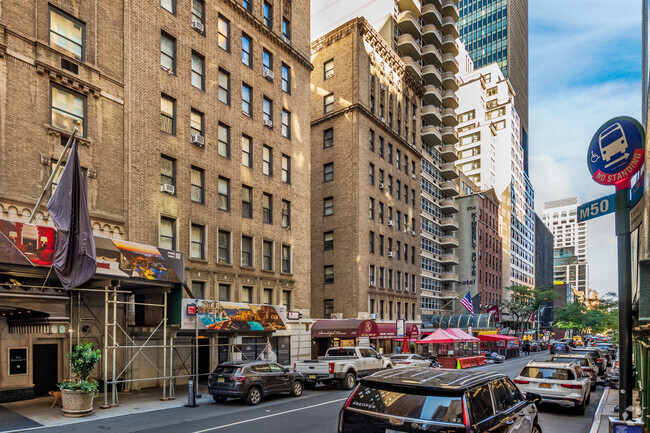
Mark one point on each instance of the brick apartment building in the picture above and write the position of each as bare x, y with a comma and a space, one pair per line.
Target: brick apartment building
365, 178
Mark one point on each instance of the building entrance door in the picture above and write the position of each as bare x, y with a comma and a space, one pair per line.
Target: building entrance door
45, 368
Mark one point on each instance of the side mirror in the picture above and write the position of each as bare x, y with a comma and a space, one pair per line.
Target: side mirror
379, 356
287, 369
533, 398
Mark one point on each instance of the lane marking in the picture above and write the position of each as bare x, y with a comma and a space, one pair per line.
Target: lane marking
269, 416
595, 425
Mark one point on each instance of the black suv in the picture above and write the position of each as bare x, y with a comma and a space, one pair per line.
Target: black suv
438, 400
253, 380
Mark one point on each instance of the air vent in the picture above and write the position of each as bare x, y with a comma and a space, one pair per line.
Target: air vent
69, 66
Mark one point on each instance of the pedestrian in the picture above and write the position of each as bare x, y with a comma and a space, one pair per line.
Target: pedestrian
526, 347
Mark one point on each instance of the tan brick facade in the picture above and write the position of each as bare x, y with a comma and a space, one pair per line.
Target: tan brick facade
353, 289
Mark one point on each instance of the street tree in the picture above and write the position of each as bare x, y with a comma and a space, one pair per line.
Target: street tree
525, 300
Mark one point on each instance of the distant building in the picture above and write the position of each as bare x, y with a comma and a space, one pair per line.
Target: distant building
543, 254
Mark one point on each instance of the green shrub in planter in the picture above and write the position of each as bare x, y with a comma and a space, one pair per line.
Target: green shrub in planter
82, 361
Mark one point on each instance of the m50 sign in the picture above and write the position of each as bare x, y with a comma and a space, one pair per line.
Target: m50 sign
596, 208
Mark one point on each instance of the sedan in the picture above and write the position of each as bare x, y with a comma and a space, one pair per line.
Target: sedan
253, 380
409, 360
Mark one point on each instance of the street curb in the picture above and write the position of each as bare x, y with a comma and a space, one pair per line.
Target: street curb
597, 416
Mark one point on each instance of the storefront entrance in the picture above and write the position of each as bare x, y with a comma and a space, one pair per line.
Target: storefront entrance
45, 368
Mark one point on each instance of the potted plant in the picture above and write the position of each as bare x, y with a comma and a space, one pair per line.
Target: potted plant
77, 393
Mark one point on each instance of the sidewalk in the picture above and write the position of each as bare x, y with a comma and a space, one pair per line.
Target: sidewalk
607, 408
32, 414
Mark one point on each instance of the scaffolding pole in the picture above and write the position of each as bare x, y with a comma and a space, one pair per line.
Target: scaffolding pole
105, 405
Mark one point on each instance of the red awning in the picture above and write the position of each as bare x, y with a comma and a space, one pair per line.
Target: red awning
389, 330
496, 337
344, 328
464, 336
439, 337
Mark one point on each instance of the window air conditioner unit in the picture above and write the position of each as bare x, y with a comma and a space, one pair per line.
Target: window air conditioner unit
198, 26
268, 74
373, 316
372, 284
413, 176
336, 315
381, 185
382, 87
168, 188
268, 122
383, 120
412, 232
390, 223
391, 254
286, 39
405, 230
198, 139
166, 69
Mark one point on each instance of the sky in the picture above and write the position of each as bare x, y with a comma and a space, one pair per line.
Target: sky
584, 68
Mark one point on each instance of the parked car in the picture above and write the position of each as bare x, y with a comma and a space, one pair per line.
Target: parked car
441, 400
607, 347
564, 384
543, 345
253, 380
409, 360
341, 365
560, 347
584, 361
596, 355
534, 346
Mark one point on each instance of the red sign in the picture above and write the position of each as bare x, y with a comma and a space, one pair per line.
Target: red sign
191, 310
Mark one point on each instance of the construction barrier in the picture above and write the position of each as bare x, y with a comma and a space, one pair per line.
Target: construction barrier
472, 361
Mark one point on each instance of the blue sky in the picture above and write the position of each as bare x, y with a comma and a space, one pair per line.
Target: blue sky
584, 68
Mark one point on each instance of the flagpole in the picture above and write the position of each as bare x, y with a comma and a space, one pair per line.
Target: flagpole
453, 299
56, 168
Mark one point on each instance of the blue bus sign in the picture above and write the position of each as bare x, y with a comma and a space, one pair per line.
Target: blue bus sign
596, 208
616, 151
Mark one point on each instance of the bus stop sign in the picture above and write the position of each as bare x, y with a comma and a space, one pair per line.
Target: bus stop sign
616, 151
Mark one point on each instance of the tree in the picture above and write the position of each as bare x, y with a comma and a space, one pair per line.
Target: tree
525, 300
571, 316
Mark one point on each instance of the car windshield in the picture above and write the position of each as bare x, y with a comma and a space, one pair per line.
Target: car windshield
441, 408
340, 352
547, 373
580, 361
592, 353
226, 369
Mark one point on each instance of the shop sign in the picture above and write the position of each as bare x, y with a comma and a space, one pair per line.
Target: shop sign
233, 317
17, 361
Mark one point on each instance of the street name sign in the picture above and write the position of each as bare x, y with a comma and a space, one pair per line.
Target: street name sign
596, 208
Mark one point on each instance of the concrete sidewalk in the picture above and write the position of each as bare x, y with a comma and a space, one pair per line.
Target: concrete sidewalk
608, 408
38, 413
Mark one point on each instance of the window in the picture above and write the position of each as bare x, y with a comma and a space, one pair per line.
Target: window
198, 71
371, 174
267, 208
167, 238
246, 48
372, 141
286, 259
268, 296
328, 69
246, 201
223, 186
286, 168
197, 178
491, 91
196, 122
268, 14
224, 292
223, 140
267, 111
371, 242
286, 123
381, 212
328, 241
167, 170
381, 277
169, 5
286, 299
381, 146
372, 209
167, 114
286, 79
223, 253
248, 5
329, 274
390, 153
198, 289
168, 53
267, 161
267, 255
267, 61
67, 109
246, 151
328, 172
67, 33
247, 251
506, 395
328, 307
198, 11
246, 100
328, 103
286, 214
197, 241
480, 403
328, 137
223, 38
224, 86
328, 206
286, 30
247, 294
371, 275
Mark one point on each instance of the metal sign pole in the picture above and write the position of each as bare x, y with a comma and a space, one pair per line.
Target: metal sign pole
622, 217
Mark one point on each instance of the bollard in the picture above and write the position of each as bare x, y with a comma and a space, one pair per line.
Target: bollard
191, 395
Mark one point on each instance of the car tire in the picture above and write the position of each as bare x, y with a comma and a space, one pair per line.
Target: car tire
593, 387
536, 429
296, 389
580, 408
218, 399
254, 396
348, 381
588, 399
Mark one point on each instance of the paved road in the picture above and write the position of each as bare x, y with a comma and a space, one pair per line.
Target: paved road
316, 412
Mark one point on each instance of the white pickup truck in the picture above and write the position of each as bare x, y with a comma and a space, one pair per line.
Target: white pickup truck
341, 365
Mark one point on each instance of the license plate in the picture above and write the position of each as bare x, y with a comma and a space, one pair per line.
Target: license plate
544, 385
312, 376
394, 363
221, 379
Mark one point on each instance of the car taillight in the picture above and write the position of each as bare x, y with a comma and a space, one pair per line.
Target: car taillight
571, 386
294, 367
599, 360
239, 378
331, 367
521, 382
347, 403
407, 363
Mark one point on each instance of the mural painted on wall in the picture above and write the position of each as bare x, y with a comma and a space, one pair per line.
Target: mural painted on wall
26, 244
234, 317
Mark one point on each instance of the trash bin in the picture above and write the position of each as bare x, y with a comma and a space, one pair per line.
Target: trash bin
619, 426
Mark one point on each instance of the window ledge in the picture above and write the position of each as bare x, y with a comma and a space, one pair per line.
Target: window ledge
250, 268
286, 273
268, 271
228, 265
57, 132
195, 260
